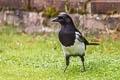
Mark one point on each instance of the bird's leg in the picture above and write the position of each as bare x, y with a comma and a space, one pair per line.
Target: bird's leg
82, 59
67, 62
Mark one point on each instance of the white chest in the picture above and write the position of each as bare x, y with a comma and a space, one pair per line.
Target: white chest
77, 49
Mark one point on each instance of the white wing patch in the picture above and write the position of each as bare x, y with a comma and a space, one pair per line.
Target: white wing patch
77, 34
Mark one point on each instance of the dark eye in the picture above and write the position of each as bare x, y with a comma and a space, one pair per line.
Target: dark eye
60, 17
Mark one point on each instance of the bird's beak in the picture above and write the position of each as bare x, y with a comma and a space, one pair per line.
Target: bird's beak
55, 19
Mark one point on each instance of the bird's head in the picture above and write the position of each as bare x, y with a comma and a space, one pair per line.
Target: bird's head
63, 19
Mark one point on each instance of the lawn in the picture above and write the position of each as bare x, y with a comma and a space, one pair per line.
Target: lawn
24, 57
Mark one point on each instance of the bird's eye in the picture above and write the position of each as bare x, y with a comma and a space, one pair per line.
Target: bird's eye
60, 17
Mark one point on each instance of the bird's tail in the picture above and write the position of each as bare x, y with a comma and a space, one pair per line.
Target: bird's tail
93, 44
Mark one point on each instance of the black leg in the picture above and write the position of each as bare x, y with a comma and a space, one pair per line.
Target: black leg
67, 62
82, 59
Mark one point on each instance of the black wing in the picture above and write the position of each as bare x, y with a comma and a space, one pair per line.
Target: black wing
81, 38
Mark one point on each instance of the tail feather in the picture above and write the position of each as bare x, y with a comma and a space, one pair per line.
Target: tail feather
93, 44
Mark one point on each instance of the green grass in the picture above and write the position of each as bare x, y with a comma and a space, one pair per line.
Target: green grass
23, 57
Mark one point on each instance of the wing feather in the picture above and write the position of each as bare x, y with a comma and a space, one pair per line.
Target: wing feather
81, 38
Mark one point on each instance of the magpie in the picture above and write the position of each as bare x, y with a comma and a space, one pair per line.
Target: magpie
71, 39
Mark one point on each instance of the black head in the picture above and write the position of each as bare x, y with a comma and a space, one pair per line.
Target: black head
63, 19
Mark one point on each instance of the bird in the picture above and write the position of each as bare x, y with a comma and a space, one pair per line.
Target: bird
72, 41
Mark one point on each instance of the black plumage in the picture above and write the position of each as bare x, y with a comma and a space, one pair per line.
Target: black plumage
72, 41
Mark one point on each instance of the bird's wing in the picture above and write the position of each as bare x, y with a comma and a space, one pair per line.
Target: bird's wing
80, 37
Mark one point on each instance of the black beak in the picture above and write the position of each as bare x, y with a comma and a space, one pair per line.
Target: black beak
55, 19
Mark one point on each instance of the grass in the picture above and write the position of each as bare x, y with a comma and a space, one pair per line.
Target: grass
23, 57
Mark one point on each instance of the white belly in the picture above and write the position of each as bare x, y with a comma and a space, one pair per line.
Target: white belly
77, 49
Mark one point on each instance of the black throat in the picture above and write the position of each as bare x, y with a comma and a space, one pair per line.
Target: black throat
67, 34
